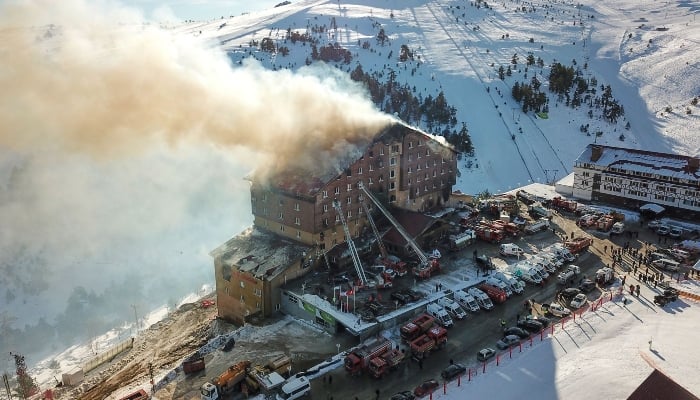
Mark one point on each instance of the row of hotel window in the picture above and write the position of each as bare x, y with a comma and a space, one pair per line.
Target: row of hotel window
640, 174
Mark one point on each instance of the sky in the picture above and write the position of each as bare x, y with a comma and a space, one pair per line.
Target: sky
184, 10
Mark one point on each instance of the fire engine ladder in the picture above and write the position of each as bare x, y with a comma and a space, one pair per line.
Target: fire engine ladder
351, 244
382, 249
402, 231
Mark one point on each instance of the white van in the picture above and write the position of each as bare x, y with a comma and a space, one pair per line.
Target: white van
452, 308
666, 264
510, 249
295, 388
440, 314
482, 299
466, 300
493, 281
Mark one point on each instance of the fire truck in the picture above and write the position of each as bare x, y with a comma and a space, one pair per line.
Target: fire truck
379, 366
433, 339
359, 358
578, 244
417, 327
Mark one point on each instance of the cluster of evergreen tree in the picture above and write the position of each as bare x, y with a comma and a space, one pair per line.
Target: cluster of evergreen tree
334, 52
570, 87
434, 113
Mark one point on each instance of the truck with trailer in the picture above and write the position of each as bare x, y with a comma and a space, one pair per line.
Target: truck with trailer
229, 381
564, 204
432, 340
466, 300
482, 299
497, 295
387, 362
416, 327
358, 359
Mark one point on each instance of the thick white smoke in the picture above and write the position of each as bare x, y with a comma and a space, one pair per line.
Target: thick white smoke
124, 147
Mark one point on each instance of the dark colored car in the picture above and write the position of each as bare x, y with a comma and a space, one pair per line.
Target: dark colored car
426, 387
414, 295
453, 371
230, 343
508, 341
405, 395
587, 286
543, 320
401, 297
530, 325
569, 293
514, 330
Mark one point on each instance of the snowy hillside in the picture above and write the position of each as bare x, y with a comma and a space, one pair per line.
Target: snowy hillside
102, 186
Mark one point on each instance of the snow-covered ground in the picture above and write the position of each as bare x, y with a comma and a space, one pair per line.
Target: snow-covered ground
74, 215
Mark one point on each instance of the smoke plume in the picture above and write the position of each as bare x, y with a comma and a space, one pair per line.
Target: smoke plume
98, 79
122, 152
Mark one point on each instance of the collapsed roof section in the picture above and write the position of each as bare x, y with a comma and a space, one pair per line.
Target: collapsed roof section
259, 253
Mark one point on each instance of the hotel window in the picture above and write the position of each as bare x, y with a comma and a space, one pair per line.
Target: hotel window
392, 186
349, 214
337, 219
410, 156
359, 171
371, 168
280, 215
349, 201
395, 148
337, 190
381, 178
392, 161
410, 170
410, 145
427, 152
325, 194
325, 208
392, 174
349, 187
296, 206
298, 234
370, 181
264, 197
297, 221
381, 151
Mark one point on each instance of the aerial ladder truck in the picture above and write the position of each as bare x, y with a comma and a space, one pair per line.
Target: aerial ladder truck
427, 266
389, 261
361, 275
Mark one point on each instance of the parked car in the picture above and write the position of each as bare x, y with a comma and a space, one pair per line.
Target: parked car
675, 232
578, 301
654, 224
541, 319
569, 293
453, 371
663, 230
485, 354
426, 388
587, 286
508, 341
405, 395
558, 310
530, 325
401, 297
514, 330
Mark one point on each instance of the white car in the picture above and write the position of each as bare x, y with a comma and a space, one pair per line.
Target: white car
578, 301
558, 310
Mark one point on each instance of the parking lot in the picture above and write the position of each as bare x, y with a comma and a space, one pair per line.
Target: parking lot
478, 330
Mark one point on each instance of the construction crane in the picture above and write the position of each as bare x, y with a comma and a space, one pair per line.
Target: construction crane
351, 245
425, 263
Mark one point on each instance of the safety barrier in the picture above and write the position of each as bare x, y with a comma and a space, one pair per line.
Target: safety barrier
474, 371
689, 295
108, 355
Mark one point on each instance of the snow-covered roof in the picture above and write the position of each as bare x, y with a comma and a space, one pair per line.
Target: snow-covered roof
642, 161
260, 253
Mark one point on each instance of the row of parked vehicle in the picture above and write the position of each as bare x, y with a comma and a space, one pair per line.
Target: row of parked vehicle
662, 229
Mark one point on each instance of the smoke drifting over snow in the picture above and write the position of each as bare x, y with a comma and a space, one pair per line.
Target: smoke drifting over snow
97, 80
124, 148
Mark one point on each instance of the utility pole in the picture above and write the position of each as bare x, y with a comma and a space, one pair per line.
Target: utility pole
136, 318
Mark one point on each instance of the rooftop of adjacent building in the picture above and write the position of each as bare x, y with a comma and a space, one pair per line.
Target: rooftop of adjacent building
643, 161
